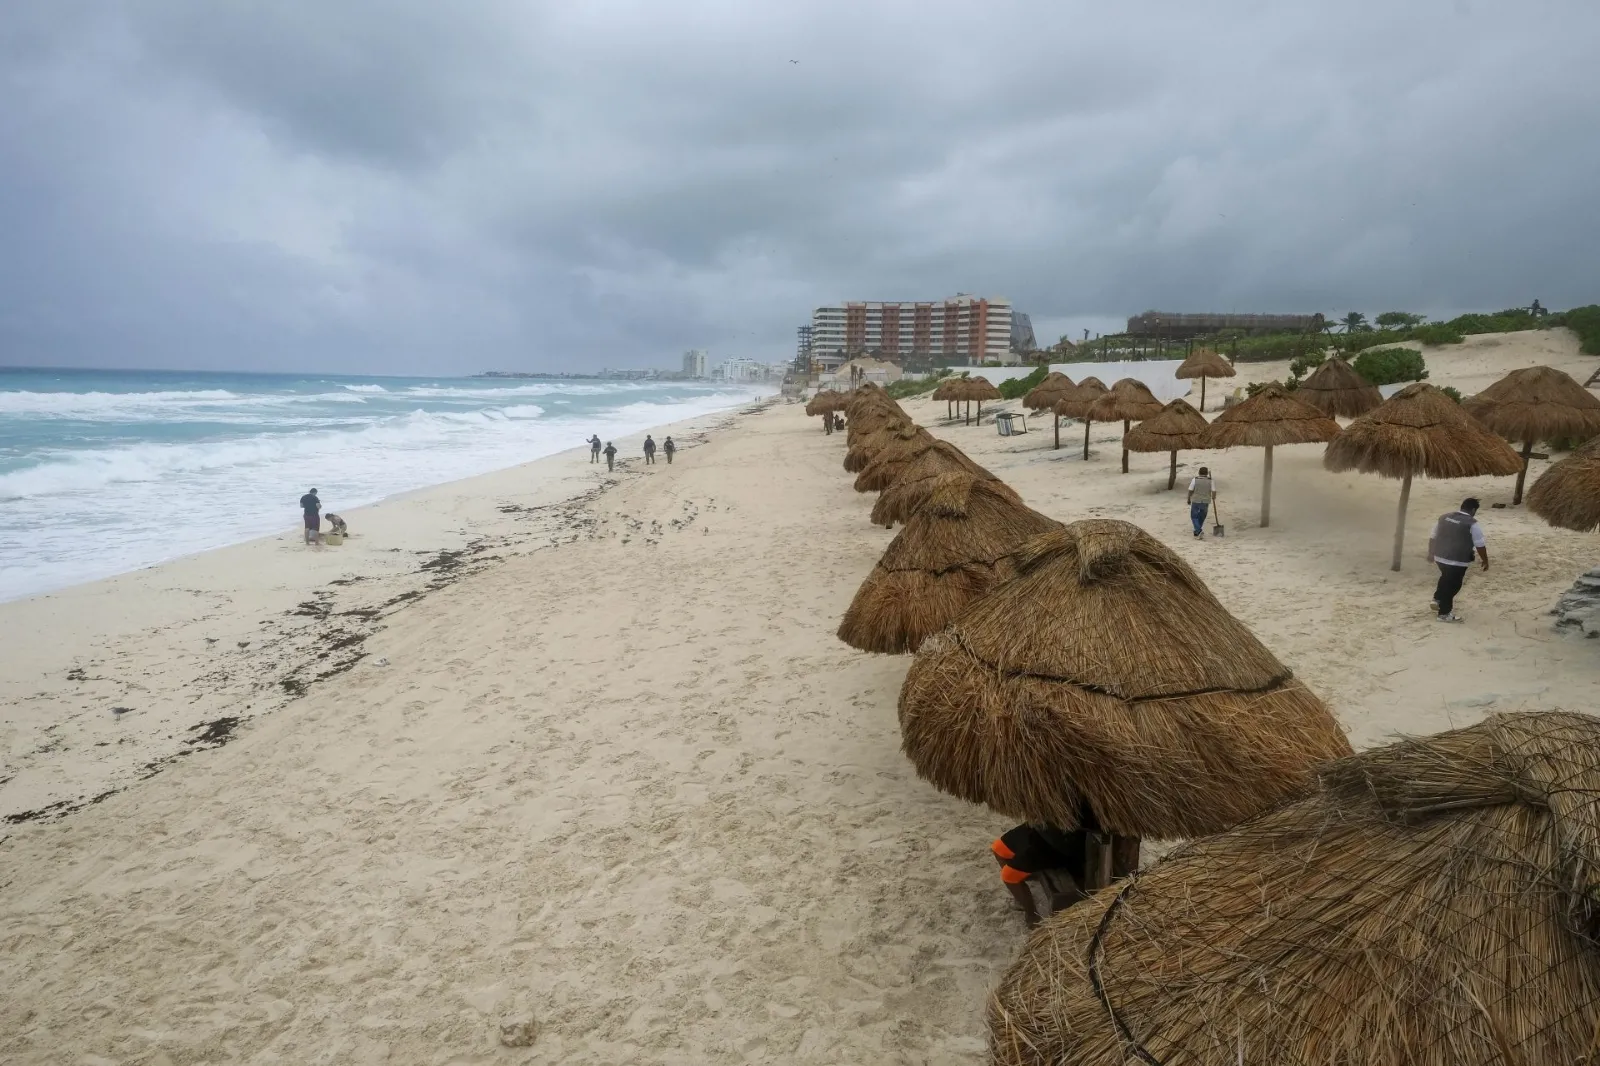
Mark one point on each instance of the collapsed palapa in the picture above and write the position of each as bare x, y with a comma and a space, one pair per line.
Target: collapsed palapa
916, 479
1335, 389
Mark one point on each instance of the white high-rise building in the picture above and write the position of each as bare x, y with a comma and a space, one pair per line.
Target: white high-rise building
742, 370
962, 330
694, 363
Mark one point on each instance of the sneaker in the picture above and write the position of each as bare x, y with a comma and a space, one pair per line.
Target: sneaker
1451, 617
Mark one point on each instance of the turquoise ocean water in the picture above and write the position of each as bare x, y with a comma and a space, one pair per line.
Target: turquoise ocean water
103, 472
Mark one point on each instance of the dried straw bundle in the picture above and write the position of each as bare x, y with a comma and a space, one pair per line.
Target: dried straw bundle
1043, 396
1106, 673
1267, 419
825, 402
910, 490
1335, 389
1204, 363
866, 445
1568, 494
1129, 400
1419, 430
1075, 403
1179, 427
893, 456
979, 388
953, 550
1432, 903
1533, 404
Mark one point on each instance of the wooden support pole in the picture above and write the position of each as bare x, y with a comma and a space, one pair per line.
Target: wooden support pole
1096, 861
1266, 490
1124, 445
1087, 424
1058, 432
1400, 523
1124, 856
1172, 475
1522, 475
1202, 392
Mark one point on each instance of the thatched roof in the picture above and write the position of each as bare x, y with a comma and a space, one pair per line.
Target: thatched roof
1043, 396
1129, 399
978, 388
1075, 401
1179, 427
892, 456
1335, 389
1537, 403
1568, 494
1271, 417
916, 480
865, 446
826, 401
1420, 430
870, 418
1431, 903
947, 389
1205, 363
1107, 675
953, 549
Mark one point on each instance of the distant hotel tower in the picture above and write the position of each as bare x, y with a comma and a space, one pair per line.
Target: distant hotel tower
963, 330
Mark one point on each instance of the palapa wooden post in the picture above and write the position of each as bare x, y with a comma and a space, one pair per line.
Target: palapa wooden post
1266, 489
1124, 856
1058, 429
1172, 475
1202, 392
1400, 523
1087, 424
1124, 446
1096, 861
1522, 475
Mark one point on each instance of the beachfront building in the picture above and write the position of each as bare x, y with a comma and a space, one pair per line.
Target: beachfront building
743, 370
694, 363
961, 331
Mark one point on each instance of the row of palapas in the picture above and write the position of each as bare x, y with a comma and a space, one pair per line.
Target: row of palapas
1429, 903
1417, 432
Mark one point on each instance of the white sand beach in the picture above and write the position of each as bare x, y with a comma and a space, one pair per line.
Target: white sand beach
580, 753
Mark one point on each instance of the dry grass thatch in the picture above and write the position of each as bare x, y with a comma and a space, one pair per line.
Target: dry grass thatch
978, 388
1043, 396
1205, 363
945, 390
1432, 903
1074, 402
953, 550
1568, 494
1269, 418
916, 479
1335, 389
826, 401
1106, 675
1178, 427
870, 418
894, 454
865, 446
1420, 431
1536, 403
1129, 400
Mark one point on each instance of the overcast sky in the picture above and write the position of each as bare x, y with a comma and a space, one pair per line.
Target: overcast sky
395, 186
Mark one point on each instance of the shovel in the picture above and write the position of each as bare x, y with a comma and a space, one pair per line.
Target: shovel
1217, 529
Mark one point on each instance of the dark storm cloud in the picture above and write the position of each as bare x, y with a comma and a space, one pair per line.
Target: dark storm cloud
406, 184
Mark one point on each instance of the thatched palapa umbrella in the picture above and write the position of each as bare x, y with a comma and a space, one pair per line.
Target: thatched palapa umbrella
954, 549
1430, 903
894, 453
1533, 404
1106, 681
870, 442
825, 403
910, 490
976, 390
1204, 363
1568, 494
1075, 403
1419, 430
1269, 418
1043, 397
1335, 389
1179, 427
1129, 400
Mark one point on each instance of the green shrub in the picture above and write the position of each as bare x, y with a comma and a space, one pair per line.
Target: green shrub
1507, 321
1386, 366
1437, 333
1585, 322
1273, 346
1256, 386
1451, 391
899, 390
1016, 388
1303, 365
1564, 444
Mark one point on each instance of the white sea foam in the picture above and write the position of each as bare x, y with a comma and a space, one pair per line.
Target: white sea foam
365, 388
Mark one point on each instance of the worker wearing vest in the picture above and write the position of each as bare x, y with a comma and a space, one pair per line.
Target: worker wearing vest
1201, 492
1455, 538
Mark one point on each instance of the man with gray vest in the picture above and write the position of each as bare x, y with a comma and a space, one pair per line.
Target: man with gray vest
1201, 492
1455, 538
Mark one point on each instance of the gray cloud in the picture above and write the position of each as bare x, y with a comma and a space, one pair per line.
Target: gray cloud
413, 186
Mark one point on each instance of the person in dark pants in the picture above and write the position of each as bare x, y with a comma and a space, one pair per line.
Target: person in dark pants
594, 448
649, 450
611, 456
311, 509
669, 448
1455, 539
1202, 490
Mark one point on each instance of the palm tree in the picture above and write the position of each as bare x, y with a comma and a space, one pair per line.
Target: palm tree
1354, 322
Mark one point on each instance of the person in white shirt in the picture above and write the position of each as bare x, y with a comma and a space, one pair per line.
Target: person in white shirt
1455, 538
1202, 490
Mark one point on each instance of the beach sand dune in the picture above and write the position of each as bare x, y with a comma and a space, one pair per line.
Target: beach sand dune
629, 788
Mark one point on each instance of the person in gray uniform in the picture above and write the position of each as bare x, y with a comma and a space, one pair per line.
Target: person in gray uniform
1201, 492
1456, 537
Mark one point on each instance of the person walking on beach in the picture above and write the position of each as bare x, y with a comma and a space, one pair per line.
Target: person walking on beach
311, 509
1455, 538
1202, 490
670, 448
594, 448
611, 456
649, 450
